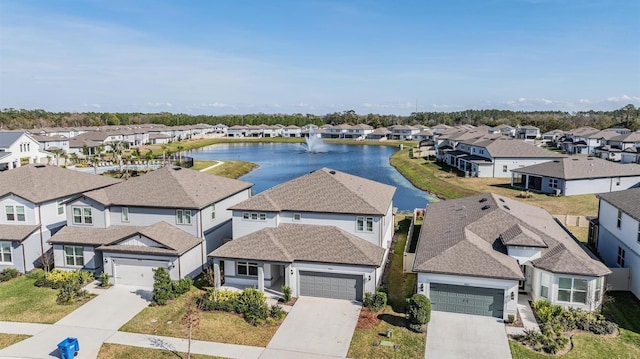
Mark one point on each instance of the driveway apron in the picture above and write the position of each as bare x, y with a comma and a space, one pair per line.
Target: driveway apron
92, 324
315, 328
462, 336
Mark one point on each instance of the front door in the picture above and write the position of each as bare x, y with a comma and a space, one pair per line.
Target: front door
521, 283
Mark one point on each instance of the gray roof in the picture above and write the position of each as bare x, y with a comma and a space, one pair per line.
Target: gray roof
633, 137
12, 232
326, 191
170, 187
460, 237
298, 242
502, 147
579, 167
7, 138
628, 201
173, 241
40, 183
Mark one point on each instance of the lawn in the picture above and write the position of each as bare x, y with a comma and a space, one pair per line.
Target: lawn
443, 181
581, 233
625, 310
229, 169
117, 351
412, 345
214, 326
10, 339
399, 284
21, 301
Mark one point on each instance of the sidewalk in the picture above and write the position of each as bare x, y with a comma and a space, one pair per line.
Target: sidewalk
526, 316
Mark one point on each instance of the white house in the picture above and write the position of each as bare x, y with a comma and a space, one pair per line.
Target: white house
528, 133
618, 234
292, 131
18, 148
475, 254
325, 234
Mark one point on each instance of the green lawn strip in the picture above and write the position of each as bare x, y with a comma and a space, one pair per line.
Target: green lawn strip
21, 301
581, 233
399, 284
624, 309
202, 164
214, 326
586, 346
117, 351
10, 339
412, 345
233, 169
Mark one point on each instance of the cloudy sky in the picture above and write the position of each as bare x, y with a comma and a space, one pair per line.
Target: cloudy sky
314, 56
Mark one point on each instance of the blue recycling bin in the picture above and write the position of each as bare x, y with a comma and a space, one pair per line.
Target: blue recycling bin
68, 348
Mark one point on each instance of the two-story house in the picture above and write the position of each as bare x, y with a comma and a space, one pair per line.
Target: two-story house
292, 131
32, 210
618, 233
528, 133
324, 234
171, 217
403, 132
18, 148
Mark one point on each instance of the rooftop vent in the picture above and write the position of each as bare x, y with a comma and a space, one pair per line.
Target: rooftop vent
483, 199
556, 161
501, 199
486, 206
506, 207
575, 159
177, 168
332, 172
39, 166
589, 159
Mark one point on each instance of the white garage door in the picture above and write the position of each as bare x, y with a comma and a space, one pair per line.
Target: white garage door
135, 272
331, 285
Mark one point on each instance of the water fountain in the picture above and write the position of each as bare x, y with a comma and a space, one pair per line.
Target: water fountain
315, 143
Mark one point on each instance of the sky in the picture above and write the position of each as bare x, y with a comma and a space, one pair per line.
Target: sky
318, 57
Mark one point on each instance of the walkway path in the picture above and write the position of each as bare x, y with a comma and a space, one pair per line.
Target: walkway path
220, 163
526, 316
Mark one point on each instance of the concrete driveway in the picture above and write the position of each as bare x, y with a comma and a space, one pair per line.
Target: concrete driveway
315, 328
92, 324
460, 336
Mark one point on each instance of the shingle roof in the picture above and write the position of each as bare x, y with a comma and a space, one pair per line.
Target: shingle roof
11, 232
41, 183
514, 148
7, 138
630, 137
324, 190
170, 187
518, 235
460, 237
628, 201
577, 167
298, 242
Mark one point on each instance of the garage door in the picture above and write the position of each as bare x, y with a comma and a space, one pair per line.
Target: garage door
135, 272
467, 300
331, 285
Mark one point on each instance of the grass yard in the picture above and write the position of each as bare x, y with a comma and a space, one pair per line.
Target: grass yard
229, 169
10, 339
117, 351
21, 301
582, 233
412, 345
443, 181
399, 284
214, 326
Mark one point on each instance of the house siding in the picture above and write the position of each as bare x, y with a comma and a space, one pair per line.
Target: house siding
553, 289
514, 163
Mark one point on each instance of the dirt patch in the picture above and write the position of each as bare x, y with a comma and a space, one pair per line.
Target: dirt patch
367, 319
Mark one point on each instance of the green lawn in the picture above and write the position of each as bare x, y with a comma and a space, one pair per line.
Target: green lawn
399, 284
10, 339
229, 169
21, 301
117, 351
214, 326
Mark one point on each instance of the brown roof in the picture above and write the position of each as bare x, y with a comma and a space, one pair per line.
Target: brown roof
170, 187
298, 242
324, 190
578, 167
514, 148
40, 183
464, 237
12, 232
518, 235
628, 201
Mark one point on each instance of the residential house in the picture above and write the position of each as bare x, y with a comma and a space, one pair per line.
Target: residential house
292, 131
32, 209
475, 254
52, 143
618, 233
194, 204
552, 136
237, 131
402, 132
379, 134
337, 131
618, 145
528, 133
359, 131
18, 148
504, 130
325, 234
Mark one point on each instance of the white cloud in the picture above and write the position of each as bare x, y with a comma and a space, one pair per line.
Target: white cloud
584, 100
160, 104
214, 104
624, 98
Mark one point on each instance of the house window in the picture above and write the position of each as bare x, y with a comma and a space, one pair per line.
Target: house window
213, 211
245, 215
572, 290
5, 252
125, 214
504, 168
60, 204
253, 216
553, 183
619, 223
82, 215
297, 216
73, 256
364, 224
15, 213
247, 268
183, 216
598, 289
620, 258
545, 280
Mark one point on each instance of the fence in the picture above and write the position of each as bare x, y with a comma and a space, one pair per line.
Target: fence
619, 279
572, 221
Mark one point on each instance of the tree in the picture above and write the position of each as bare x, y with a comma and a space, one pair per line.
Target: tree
419, 312
148, 157
180, 148
191, 320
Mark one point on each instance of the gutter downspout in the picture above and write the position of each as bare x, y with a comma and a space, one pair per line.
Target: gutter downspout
24, 258
41, 235
203, 257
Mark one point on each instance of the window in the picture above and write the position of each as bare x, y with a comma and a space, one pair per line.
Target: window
73, 256
619, 219
82, 215
253, 216
364, 224
183, 216
572, 290
125, 214
297, 216
638, 231
247, 268
504, 168
60, 204
620, 259
5, 252
553, 182
213, 211
245, 215
598, 289
545, 279
15, 213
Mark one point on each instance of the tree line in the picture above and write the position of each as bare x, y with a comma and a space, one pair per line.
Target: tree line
627, 116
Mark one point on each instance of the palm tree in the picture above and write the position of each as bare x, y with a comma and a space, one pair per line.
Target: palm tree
94, 161
180, 148
148, 157
164, 154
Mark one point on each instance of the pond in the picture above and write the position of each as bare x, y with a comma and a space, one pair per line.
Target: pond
280, 162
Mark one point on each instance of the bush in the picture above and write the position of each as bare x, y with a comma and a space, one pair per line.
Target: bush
162, 287
8, 273
419, 312
375, 302
35, 274
286, 293
181, 286
253, 305
367, 301
71, 289
104, 280
276, 312
222, 300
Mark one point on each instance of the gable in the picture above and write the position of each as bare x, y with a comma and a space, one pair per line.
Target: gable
140, 241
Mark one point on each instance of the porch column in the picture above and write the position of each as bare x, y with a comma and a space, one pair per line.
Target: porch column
526, 182
216, 273
287, 275
261, 277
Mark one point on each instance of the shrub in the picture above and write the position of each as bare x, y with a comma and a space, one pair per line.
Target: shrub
222, 300
419, 312
276, 312
71, 289
162, 287
546, 311
367, 301
104, 280
253, 305
8, 273
35, 274
181, 286
511, 318
286, 293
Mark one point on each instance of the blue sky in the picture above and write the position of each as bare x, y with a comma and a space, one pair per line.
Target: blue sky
312, 56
